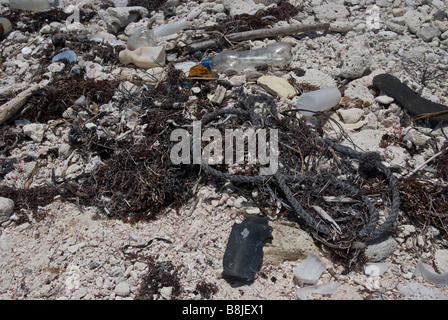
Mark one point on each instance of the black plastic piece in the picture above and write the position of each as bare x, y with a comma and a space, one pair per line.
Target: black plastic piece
245, 249
409, 99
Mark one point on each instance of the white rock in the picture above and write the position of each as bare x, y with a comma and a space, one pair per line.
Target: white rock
5, 242
357, 60
407, 230
288, 244
122, 289
341, 26
45, 29
441, 25
65, 150
395, 27
414, 20
367, 139
236, 7
56, 67
416, 138
166, 292
118, 18
444, 35
316, 78
35, 131
380, 249
331, 11
253, 210
352, 115
6, 208
428, 33
384, 100
277, 86
358, 89
441, 260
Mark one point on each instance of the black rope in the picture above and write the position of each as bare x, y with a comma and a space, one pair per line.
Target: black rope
246, 111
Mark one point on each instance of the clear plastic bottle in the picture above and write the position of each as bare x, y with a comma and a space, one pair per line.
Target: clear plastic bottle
34, 5
5, 27
142, 37
170, 28
145, 37
274, 55
319, 100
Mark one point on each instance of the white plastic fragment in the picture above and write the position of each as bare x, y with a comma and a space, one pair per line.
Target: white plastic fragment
320, 100
376, 269
144, 57
430, 275
309, 270
325, 288
417, 291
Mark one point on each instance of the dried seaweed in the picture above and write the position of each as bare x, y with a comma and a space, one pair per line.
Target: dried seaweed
284, 11
34, 21
52, 101
159, 275
137, 181
441, 165
426, 203
206, 289
28, 201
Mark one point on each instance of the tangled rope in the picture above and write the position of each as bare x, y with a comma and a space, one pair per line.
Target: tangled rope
246, 111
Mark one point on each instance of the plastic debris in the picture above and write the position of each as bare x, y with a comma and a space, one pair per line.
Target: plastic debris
34, 5
430, 275
274, 55
417, 291
320, 100
68, 55
245, 248
5, 27
376, 269
170, 28
277, 86
409, 99
309, 270
104, 37
200, 71
26, 52
144, 57
325, 288
144, 37
218, 96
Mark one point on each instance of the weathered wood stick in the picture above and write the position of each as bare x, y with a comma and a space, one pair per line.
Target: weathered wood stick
10, 108
258, 34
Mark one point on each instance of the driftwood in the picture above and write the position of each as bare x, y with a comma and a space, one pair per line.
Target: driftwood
257, 34
10, 108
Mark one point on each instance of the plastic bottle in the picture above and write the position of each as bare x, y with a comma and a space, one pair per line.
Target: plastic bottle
142, 37
319, 100
34, 5
170, 28
5, 27
274, 55
145, 37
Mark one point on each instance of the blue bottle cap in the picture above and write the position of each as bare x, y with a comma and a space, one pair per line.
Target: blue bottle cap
206, 63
